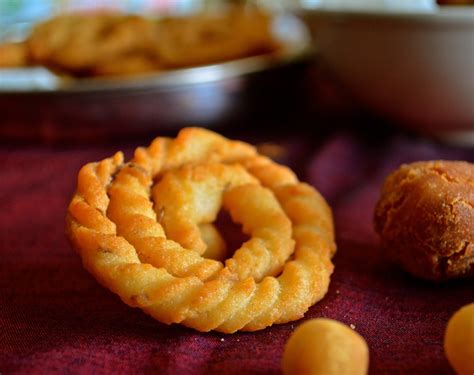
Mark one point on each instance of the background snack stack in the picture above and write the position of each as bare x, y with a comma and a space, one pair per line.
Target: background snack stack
109, 43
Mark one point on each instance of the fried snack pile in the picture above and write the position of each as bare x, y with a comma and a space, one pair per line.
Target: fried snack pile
118, 44
145, 229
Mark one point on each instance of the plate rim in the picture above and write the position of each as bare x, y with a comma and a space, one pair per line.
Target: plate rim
291, 52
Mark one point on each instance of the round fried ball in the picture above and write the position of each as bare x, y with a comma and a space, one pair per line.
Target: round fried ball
425, 218
459, 340
325, 347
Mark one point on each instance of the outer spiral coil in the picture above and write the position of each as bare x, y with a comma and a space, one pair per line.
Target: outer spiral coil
139, 228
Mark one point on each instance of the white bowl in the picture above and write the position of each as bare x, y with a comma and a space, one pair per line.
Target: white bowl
415, 68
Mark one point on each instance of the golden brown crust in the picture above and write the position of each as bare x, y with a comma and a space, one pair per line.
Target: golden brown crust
115, 228
425, 217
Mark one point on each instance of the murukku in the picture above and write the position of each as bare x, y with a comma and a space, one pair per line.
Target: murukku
145, 229
94, 44
114, 44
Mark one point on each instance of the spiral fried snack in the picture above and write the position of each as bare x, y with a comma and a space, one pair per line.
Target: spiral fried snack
145, 230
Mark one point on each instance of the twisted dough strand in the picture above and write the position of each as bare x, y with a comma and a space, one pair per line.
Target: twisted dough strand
132, 212
118, 238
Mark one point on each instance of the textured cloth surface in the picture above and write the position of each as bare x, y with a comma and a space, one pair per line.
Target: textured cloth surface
55, 318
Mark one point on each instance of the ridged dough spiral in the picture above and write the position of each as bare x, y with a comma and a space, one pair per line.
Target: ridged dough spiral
139, 227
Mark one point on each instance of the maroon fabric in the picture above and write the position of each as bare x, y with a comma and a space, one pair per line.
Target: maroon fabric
55, 318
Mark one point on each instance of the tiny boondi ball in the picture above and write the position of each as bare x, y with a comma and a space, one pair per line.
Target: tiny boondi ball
325, 346
459, 340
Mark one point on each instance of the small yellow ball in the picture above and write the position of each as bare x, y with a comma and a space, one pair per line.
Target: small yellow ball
325, 346
459, 340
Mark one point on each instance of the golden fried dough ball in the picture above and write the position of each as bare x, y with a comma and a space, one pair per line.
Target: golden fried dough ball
459, 340
425, 218
325, 347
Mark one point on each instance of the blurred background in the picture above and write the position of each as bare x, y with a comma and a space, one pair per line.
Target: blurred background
368, 64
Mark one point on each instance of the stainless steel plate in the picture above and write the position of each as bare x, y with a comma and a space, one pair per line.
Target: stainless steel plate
292, 34
36, 103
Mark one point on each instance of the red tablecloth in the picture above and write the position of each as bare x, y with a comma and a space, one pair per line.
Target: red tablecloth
55, 318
